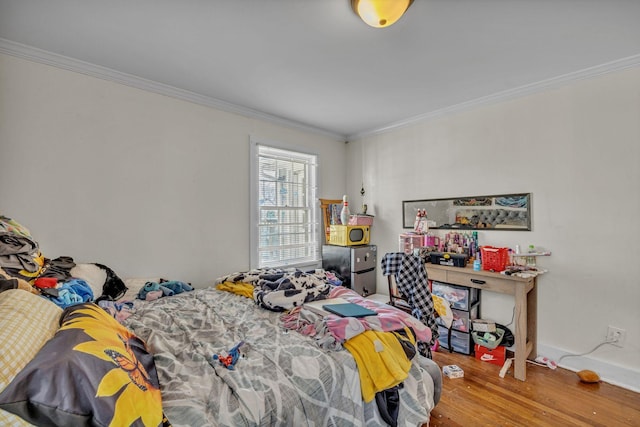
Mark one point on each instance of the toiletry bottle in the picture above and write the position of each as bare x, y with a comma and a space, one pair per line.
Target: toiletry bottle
531, 260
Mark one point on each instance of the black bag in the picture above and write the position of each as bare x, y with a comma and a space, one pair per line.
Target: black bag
507, 338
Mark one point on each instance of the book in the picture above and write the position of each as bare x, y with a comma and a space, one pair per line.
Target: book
349, 309
316, 306
335, 214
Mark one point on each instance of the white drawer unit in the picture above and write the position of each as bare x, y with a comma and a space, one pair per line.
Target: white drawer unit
465, 306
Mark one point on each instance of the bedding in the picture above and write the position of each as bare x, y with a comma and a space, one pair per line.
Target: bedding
283, 379
22, 336
93, 371
113, 358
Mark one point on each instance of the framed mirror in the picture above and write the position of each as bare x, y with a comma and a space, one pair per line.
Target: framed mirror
497, 212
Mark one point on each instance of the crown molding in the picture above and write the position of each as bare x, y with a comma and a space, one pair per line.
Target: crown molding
64, 62
60, 61
529, 89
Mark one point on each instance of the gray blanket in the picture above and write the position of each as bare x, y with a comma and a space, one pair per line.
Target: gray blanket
284, 379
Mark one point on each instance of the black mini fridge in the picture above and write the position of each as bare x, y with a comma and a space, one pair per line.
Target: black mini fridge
356, 266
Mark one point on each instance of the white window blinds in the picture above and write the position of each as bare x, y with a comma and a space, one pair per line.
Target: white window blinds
287, 215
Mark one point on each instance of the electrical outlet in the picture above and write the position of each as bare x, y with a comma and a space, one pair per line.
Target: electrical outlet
616, 336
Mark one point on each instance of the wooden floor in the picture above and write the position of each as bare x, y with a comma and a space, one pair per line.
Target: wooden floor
547, 398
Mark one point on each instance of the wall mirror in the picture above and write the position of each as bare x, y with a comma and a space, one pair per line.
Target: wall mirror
498, 212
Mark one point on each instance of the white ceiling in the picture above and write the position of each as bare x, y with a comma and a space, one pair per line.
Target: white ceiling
313, 63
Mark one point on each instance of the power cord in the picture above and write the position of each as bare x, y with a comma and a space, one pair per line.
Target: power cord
513, 315
590, 351
509, 361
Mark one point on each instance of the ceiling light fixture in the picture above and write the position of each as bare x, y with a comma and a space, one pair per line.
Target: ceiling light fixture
380, 13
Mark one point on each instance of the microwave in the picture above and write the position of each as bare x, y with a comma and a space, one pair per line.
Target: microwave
349, 235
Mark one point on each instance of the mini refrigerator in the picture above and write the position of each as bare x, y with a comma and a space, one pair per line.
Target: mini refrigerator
356, 266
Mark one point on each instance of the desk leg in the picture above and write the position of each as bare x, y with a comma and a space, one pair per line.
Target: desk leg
520, 365
532, 322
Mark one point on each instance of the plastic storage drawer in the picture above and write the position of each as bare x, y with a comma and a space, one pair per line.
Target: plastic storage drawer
462, 319
462, 342
459, 297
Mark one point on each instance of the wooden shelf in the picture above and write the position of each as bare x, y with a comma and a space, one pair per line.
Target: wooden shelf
532, 254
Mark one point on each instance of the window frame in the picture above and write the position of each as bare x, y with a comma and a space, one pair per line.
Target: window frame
254, 189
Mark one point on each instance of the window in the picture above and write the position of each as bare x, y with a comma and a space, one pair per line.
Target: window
284, 220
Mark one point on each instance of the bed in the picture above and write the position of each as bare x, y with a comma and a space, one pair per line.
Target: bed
160, 362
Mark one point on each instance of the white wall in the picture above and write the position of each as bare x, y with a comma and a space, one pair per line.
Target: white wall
146, 184
577, 150
154, 186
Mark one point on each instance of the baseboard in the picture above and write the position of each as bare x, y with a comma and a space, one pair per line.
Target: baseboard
608, 372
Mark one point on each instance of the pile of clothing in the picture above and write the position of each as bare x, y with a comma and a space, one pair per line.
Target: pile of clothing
165, 288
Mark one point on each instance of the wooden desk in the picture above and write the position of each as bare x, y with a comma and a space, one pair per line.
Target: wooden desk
524, 292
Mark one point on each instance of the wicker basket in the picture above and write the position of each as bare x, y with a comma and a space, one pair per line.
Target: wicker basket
482, 338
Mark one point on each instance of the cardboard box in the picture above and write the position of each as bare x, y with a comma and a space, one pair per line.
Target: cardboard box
481, 325
453, 371
496, 356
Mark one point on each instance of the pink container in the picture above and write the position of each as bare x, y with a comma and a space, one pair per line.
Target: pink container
361, 220
410, 241
430, 240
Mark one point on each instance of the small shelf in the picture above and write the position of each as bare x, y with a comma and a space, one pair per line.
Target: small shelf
325, 205
532, 254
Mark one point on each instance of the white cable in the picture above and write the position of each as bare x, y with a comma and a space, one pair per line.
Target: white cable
513, 315
588, 352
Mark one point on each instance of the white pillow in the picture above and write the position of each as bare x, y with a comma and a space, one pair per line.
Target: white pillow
134, 285
92, 274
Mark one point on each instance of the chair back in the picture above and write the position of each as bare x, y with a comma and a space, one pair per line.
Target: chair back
395, 299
